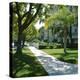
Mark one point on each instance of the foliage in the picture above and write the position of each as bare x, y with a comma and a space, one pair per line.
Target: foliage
63, 16
46, 45
57, 45
30, 33
26, 65
22, 15
43, 45
70, 57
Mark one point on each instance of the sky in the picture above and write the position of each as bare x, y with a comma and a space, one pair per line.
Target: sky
39, 25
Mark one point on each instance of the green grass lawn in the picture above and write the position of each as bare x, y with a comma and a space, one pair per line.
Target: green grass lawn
70, 57
26, 65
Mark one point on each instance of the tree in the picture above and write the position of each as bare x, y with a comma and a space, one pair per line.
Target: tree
65, 17
24, 18
30, 33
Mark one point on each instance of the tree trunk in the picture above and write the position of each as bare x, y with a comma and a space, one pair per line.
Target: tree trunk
52, 35
70, 34
23, 41
48, 35
65, 39
19, 47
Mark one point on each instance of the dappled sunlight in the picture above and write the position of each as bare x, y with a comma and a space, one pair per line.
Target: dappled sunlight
27, 65
55, 65
71, 56
52, 65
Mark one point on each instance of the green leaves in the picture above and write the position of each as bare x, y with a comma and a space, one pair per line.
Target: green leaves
30, 32
63, 15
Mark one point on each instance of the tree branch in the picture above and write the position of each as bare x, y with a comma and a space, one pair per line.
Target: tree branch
17, 11
27, 13
24, 15
19, 17
27, 23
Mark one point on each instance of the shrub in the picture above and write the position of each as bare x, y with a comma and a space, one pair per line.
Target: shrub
57, 45
42, 45
51, 47
36, 40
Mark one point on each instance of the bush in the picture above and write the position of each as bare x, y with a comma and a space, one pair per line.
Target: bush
36, 40
57, 45
43, 45
51, 47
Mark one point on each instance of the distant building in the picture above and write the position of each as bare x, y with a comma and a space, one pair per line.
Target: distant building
49, 36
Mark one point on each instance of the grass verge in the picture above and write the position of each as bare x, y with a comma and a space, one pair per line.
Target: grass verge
71, 56
26, 65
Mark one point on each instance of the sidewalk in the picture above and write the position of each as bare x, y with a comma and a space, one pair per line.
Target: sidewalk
52, 65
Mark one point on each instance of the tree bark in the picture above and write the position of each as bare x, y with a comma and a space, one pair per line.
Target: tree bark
52, 34
48, 35
19, 47
70, 34
23, 40
65, 39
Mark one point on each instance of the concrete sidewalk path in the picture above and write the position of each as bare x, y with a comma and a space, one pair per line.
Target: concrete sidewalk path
52, 65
